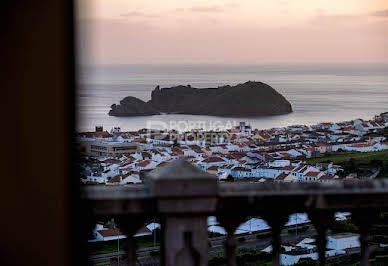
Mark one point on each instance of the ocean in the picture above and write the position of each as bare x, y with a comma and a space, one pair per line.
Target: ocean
317, 92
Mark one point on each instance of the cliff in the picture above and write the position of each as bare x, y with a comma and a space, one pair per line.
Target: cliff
247, 99
132, 106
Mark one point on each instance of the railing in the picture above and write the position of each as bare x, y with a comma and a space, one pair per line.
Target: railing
182, 197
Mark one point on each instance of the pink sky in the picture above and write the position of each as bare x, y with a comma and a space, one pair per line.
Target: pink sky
244, 31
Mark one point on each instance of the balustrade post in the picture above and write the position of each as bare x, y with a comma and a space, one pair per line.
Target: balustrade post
276, 221
321, 220
364, 220
185, 196
230, 224
130, 224
131, 248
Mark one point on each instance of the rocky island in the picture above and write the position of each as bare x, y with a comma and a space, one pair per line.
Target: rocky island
247, 99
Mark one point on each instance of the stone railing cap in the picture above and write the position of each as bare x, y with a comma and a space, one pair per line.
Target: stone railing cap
179, 170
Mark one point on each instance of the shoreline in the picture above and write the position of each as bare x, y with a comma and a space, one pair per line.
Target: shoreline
225, 122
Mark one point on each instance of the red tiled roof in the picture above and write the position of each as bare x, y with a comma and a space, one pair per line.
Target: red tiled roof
99, 134
140, 140
288, 168
144, 163
281, 176
110, 232
285, 154
115, 179
312, 174
360, 145
161, 164
143, 230
213, 160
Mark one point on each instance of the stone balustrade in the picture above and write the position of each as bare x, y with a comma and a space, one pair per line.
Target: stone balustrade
182, 196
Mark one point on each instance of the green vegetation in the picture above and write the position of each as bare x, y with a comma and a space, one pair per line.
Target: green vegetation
299, 230
385, 132
146, 243
105, 247
362, 157
111, 246
354, 162
306, 262
344, 226
381, 260
378, 234
103, 264
245, 256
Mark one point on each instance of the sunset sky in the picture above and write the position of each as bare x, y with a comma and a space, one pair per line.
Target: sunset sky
244, 31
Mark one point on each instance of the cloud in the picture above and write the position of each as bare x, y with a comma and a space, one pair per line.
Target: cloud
381, 13
133, 41
323, 19
210, 9
202, 9
137, 14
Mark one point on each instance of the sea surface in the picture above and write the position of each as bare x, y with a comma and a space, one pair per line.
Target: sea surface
317, 92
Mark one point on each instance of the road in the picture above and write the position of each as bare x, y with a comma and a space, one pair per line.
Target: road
217, 247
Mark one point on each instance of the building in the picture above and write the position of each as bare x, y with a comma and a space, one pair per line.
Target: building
102, 148
343, 241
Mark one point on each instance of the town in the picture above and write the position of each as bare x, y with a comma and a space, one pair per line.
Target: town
236, 154
297, 153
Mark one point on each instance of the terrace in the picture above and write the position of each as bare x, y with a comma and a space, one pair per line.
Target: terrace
182, 197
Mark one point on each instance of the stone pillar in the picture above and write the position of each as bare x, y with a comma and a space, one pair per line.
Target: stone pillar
130, 224
230, 224
364, 220
321, 220
276, 221
185, 196
131, 248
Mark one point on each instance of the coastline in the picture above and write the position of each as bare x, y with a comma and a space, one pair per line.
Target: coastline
261, 123
227, 125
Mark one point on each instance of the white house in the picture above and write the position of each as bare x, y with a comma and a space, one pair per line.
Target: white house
211, 161
241, 172
107, 234
361, 147
145, 165
343, 241
286, 178
279, 163
130, 180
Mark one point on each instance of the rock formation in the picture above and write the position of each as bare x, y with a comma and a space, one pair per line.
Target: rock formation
247, 99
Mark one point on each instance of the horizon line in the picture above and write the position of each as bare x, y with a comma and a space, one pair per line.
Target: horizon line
229, 63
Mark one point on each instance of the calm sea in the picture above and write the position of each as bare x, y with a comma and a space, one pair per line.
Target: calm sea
317, 92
